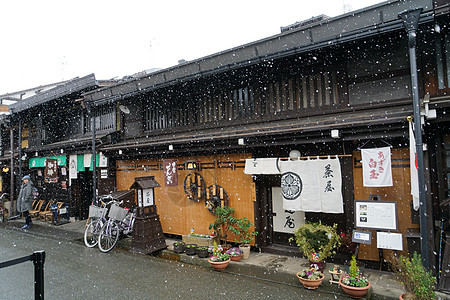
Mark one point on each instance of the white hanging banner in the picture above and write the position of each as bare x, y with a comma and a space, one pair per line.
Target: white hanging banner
413, 168
376, 167
103, 161
87, 160
261, 166
330, 186
72, 168
312, 185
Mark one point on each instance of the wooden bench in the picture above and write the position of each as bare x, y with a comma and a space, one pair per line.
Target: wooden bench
45, 210
34, 212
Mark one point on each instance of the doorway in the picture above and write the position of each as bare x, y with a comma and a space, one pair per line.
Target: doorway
284, 221
81, 195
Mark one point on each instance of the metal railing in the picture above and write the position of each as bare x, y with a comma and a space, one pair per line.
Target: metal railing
38, 258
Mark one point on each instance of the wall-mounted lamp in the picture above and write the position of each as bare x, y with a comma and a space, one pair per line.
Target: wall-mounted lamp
120, 151
36, 154
191, 165
294, 154
335, 134
241, 142
170, 147
62, 150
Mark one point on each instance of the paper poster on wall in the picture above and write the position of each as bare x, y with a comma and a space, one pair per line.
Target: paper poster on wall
376, 215
388, 240
104, 173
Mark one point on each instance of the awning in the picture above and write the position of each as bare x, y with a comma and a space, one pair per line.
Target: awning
39, 162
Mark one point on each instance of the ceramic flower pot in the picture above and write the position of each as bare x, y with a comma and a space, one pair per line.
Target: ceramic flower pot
310, 284
202, 253
219, 265
191, 249
355, 292
179, 248
236, 257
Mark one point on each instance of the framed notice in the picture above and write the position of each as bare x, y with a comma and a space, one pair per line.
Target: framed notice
376, 215
388, 240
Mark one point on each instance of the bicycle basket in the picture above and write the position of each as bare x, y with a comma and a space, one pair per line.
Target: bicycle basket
95, 211
117, 213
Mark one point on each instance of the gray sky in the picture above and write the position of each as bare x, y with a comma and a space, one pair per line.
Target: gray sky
48, 41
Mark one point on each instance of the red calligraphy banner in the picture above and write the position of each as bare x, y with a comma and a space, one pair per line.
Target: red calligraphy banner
170, 172
376, 163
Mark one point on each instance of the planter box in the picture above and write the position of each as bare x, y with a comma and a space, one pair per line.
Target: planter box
189, 239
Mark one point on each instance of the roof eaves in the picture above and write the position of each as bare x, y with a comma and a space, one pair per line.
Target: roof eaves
359, 24
74, 85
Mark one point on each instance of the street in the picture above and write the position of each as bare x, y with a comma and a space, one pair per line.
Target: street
73, 271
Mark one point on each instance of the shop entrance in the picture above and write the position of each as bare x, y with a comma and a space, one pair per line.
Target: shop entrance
284, 221
82, 195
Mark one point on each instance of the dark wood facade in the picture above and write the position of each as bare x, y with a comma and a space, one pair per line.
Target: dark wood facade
349, 73
290, 97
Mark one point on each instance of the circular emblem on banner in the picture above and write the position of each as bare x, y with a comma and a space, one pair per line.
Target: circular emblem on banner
291, 185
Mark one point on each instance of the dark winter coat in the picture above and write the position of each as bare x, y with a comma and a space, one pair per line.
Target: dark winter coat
25, 199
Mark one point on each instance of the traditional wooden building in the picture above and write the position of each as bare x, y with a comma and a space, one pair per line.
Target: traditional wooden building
325, 87
55, 125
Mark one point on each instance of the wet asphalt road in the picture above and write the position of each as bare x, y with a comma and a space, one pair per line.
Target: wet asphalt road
73, 271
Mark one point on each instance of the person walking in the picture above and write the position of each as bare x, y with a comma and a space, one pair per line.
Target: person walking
25, 200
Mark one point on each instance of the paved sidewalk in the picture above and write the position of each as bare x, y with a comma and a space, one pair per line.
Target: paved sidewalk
275, 268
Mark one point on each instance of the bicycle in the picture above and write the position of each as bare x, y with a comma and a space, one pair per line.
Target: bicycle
97, 217
120, 220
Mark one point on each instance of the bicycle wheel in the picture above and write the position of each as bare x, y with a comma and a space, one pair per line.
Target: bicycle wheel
108, 237
92, 232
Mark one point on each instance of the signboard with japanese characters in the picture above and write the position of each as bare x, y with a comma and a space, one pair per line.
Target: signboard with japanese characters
147, 197
376, 215
170, 172
376, 164
51, 170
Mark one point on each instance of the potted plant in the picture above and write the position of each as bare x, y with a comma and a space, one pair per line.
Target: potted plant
418, 282
222, 223
354, 283
310, 278
219, 261
179, 247
317, 242
235, 253
241, 227
202, 251
191, 249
